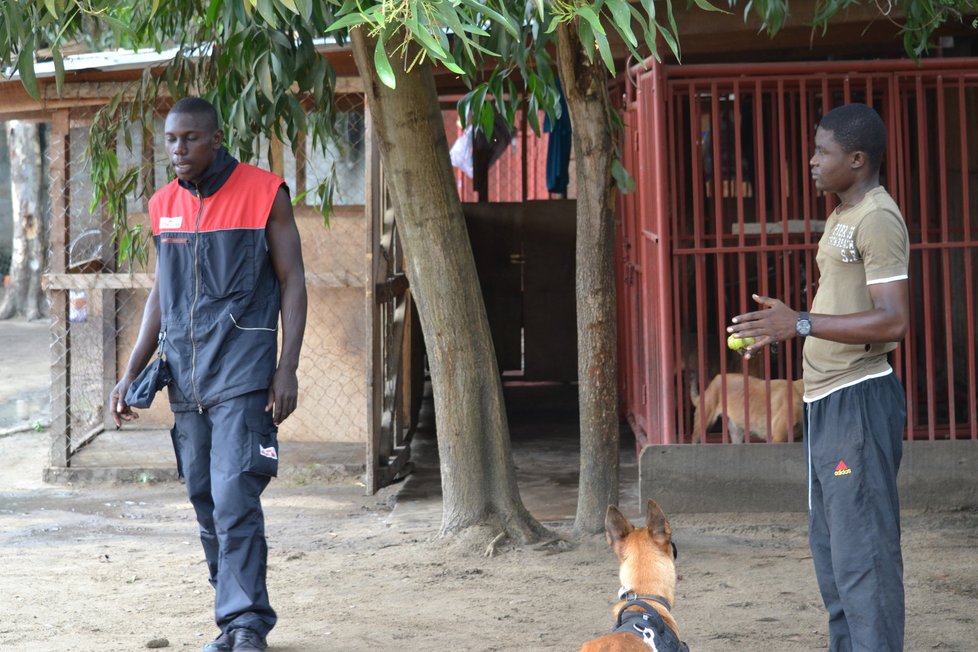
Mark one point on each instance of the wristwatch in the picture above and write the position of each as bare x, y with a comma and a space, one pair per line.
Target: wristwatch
804, 324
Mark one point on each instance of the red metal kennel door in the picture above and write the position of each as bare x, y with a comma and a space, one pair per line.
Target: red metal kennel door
726, 207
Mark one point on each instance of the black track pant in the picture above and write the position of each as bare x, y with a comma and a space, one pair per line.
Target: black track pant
227, 455
854, 449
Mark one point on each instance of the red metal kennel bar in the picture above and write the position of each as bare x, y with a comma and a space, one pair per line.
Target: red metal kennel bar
724, 206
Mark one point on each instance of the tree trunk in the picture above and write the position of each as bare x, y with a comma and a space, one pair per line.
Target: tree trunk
477, 474
25, 296
586, 89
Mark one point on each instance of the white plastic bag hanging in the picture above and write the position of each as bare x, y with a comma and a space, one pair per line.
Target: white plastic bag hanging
461, 152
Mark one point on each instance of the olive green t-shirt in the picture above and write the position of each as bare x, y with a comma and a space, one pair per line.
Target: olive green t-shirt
861, 246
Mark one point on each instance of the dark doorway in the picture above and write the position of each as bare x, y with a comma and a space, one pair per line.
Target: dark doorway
524, 254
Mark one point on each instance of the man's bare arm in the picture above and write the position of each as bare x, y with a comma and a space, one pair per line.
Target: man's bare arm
887, 321
286, 254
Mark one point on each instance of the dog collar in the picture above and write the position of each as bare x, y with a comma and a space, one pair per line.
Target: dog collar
630, 596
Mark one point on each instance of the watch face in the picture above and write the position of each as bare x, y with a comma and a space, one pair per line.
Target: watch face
803, 327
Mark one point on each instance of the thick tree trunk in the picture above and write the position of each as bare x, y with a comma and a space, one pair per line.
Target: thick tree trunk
25, 296
477, 473
586, 88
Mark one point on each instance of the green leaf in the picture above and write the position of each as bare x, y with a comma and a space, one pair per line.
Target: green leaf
281, 66
621, 176
347, 7
52, 7
346, 22
605, 49
279, 39
288, 4
649, 6
534, 118
59, 68
487, 120
305, 9
212, 11
478, 99
671, 35
454, 67
383, 65
506, 22
472, 29
267, 11
588, 14
706, 6
25, 66
539, 4
15, 26
449, 17
424, 37
264, 74
669, 39
586, 34
319, 81
623, 20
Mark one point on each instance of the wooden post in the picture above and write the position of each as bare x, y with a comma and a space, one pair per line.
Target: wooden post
524, 142
60, 154
408, 390
373, 214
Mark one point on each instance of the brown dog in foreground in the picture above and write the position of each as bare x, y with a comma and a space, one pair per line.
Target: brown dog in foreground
643, 621
782, 421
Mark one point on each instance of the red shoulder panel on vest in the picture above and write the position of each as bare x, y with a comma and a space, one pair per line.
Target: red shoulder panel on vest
243, 202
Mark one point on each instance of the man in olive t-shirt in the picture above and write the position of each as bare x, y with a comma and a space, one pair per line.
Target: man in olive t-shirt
856, 408
862, 246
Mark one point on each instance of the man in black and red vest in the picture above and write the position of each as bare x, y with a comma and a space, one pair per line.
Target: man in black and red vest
229, 263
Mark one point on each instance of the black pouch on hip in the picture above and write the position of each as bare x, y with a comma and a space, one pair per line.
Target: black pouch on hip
150, 380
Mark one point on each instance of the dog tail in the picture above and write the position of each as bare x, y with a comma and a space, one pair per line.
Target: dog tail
694, 389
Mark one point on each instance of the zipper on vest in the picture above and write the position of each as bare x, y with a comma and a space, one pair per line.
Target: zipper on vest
193, 306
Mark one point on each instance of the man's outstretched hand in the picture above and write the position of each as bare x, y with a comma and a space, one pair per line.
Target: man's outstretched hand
773, 323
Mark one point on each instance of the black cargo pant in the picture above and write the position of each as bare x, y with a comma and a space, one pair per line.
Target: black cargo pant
227, 456
854, 449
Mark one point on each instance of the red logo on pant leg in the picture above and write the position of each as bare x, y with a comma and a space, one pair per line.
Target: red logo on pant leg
842, 469
268, 452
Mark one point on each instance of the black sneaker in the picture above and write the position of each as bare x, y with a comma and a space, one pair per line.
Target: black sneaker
220, 644
247, 640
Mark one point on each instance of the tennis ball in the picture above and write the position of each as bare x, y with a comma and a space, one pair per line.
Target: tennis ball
735, 343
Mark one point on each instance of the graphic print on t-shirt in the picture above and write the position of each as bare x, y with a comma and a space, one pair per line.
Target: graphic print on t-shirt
842, 238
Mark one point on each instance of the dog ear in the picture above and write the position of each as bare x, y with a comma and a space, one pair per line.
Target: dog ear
616, 526
659, 528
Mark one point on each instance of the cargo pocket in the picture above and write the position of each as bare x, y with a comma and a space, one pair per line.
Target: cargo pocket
262, 443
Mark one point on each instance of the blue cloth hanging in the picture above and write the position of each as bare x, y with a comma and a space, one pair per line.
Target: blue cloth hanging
559, 147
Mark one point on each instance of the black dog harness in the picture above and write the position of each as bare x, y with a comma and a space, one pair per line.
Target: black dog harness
648, 624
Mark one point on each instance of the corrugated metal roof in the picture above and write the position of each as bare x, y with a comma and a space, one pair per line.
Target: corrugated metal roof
122, 60
110, 60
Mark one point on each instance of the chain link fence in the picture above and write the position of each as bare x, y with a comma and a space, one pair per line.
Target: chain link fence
96, 303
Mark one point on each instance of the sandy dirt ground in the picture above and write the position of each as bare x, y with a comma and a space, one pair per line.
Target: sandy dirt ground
108, 567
